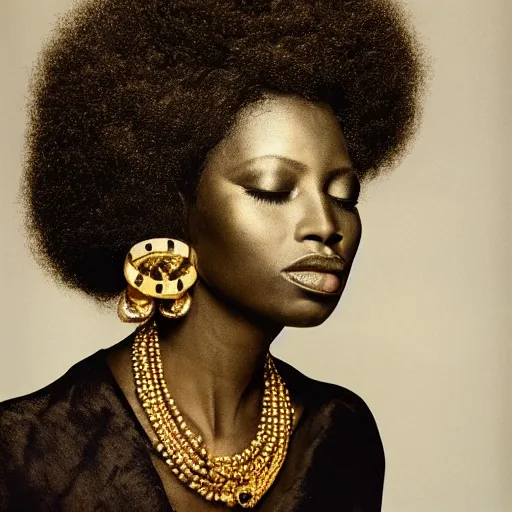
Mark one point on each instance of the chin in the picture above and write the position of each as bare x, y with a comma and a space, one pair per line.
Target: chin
304, 311
309, 317
307, 321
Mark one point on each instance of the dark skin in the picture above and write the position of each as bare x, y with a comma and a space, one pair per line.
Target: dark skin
254, 215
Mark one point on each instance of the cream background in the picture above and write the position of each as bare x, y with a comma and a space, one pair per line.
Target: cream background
422, 333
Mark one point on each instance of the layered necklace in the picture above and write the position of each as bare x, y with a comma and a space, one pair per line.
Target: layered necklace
240, 479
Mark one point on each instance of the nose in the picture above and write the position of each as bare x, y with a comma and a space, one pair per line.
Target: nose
318, 221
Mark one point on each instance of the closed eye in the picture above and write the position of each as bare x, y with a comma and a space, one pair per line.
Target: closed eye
347, 204
268, 196
277, 197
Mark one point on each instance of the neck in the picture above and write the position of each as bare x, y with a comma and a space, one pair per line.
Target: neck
214, 361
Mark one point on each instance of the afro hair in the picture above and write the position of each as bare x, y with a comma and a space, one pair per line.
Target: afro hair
129, 96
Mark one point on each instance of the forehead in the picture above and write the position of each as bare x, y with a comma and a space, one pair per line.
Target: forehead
285, 125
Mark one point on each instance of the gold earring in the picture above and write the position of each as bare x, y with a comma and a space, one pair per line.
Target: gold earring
158, 269
176, 308
135, 307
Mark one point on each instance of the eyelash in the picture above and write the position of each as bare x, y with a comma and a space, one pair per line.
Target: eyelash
281, 197
268, 197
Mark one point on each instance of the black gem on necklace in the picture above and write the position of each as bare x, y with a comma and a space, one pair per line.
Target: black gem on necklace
244, 497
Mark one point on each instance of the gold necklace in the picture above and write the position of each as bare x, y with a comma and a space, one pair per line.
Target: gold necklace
240, 479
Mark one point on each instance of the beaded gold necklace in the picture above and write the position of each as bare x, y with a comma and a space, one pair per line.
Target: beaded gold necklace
240, 479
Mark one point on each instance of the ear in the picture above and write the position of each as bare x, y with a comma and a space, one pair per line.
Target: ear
193, 257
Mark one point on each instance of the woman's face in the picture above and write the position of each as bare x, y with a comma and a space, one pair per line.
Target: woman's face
278, 188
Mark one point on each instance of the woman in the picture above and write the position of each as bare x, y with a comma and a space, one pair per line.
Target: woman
200, 163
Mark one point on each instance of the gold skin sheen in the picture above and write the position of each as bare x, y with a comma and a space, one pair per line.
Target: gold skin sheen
292, 151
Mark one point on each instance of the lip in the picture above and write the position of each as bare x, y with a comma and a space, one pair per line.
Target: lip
316, 273
318, 263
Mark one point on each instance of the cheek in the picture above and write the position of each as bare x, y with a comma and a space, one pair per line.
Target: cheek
352, 233
236, 241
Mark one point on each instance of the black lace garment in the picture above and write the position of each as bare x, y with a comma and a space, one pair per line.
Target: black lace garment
76, 445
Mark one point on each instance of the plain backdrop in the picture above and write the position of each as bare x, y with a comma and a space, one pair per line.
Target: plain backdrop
422, 332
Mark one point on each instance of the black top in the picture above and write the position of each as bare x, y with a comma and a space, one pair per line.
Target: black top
76, 445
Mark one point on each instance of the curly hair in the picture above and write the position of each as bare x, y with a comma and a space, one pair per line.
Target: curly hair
129, 96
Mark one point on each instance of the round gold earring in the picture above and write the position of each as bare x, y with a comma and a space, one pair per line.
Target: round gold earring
160, 269
134, 307
176, 308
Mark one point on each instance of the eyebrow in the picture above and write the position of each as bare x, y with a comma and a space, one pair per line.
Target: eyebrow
298, 165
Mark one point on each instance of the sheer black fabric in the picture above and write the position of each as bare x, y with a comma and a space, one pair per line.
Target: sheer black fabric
76, 445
